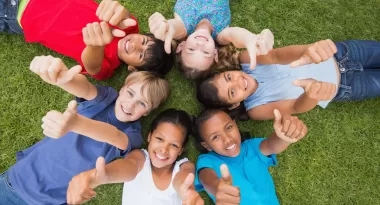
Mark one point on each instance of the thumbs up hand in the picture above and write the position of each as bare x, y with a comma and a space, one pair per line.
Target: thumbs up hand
187, 193
81, 186
289, 128
226, 193
162, 29
53, 70
56, 124
114, 13
316, 89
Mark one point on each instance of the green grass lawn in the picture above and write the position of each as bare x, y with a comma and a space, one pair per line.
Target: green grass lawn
337, 163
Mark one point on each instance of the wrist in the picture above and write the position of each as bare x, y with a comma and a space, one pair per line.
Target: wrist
77, 121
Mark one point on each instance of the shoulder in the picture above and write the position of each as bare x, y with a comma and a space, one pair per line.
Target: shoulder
105, 96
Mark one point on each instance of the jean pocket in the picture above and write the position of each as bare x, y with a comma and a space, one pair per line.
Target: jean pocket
5, 178
344, 93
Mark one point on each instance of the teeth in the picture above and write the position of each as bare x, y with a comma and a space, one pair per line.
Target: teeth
246, 83
160, 157
231, 147
127, 46
125, 111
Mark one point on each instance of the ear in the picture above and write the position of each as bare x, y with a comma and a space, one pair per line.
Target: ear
180, 46
206, 146
216, 58
233, 106
180, 152
146, 114
132, 69
149, 136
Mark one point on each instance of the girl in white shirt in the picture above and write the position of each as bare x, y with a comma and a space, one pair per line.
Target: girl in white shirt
151, 176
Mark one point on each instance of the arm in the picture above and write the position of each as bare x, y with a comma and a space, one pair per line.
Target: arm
54, 71
185, 169
209, 179
92, 58
288, 130
183, 183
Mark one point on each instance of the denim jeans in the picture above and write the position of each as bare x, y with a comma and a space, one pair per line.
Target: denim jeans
8, 196
8, 16
359, 65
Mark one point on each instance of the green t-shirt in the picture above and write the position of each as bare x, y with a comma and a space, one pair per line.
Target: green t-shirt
21, 8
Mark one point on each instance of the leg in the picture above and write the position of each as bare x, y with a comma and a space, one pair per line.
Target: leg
365, 52
7, 194
8, 17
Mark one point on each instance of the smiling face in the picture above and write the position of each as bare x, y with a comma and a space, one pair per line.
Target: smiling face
165, 144
221, 134
234, 86
198, 51
132, 103
132, 49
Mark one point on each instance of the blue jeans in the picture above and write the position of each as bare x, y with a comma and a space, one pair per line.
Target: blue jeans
8, 16
359, 65
8, 196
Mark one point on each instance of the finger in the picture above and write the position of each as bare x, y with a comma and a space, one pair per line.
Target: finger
127, 23
333, 92
100, 173
67, 76
168, 39
328, 49
43, 68
200, 201
54, 116
226, 174
108, 11
91, 34
88, 194
303, 132
50, 133
297, 132
303, 83
332, 46
292, 126
86, 37
118, 33
100, 7
322, 53
314, 89
314, 55
32, 66
118, 15
277, 119
329, 89
304, 60
72, 107
188, 182
107, 35
97, 33
55, 67
252, 56
322, 91
286, 121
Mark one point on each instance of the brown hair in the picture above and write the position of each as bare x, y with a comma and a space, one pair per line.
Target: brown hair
157, 89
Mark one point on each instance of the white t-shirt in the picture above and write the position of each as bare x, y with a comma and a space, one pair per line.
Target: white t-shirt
142, 189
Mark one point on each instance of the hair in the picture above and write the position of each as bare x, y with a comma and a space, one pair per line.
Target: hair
156, 59
205, 115
228, 59
207, 95
157, 89
175, 117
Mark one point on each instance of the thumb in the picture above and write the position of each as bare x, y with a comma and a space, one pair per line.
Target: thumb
188, 181
127, 23
118, 33
66, 76
277, 118
71, 107
100, 175
168, 39
304, 60
304, 83
252, 56
226, 174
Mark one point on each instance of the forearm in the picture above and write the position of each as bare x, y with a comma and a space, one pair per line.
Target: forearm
101, 132
209, 180
121, 170
80, 87
92, 58
304, 104
273, 145
179, 28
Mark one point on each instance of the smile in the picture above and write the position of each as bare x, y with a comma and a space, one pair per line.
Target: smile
231, 147
127, 46
125, 111
160, 156
246, 83
202, 38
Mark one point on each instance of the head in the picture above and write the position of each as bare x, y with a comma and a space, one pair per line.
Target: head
216, 131
145, 53
226, 89
168, 135
197, 54
142, 92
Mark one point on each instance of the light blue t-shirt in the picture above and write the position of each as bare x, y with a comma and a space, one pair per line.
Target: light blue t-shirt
249, 171
275, 82
43, 171
193, 11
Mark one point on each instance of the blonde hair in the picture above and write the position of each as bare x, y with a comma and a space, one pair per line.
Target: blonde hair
157, 89
228, 57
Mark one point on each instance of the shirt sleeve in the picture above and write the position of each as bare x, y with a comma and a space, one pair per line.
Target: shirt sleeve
188, 13
254, 147
204, 161
104, 93
135, 140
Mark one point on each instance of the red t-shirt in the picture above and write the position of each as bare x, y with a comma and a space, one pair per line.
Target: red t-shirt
58, 24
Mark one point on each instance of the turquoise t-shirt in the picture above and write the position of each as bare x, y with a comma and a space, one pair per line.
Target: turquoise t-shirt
249, 171
193, 11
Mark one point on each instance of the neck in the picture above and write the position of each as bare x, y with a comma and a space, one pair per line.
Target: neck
163, 170
204, 24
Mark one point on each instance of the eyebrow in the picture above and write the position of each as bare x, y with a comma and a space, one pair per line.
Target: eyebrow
228, 90
173, 141
145, 41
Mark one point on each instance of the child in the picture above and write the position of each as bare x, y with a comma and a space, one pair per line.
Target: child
104, 124
237, 172
150, 176
80, 29
310, 76
202, 22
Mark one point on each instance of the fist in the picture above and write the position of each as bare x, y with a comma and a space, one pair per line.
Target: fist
56, 124
97, 34
316, 89
162, 29
115, 14
265, 41
187, 193
289, 128
53, 70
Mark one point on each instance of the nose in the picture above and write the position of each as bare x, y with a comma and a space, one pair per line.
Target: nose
164, 148
200, 43
227, 139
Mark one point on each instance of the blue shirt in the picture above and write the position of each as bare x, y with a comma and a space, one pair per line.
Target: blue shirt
43, 171
275, 82
249, 171
193, 11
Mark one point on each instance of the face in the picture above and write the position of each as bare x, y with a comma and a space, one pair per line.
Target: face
132, 49
198, 51
165, 144
221, 134
131, 103
234, 86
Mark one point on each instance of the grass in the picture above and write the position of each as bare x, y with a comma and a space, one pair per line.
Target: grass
337, 163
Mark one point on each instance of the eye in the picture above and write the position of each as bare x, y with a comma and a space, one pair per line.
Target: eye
175, 146
130, 93
228, 76
215, 137
141, 55
191, 49
142, 104
229, 127
159, 139
205, 52
232, 92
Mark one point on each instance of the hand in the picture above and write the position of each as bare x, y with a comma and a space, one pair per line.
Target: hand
316, 53
225, 192
81, 186
97, 34
53, 70
289, 128
115, 14
265, 41
316, 89
187, 193
56, 124
162, 29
